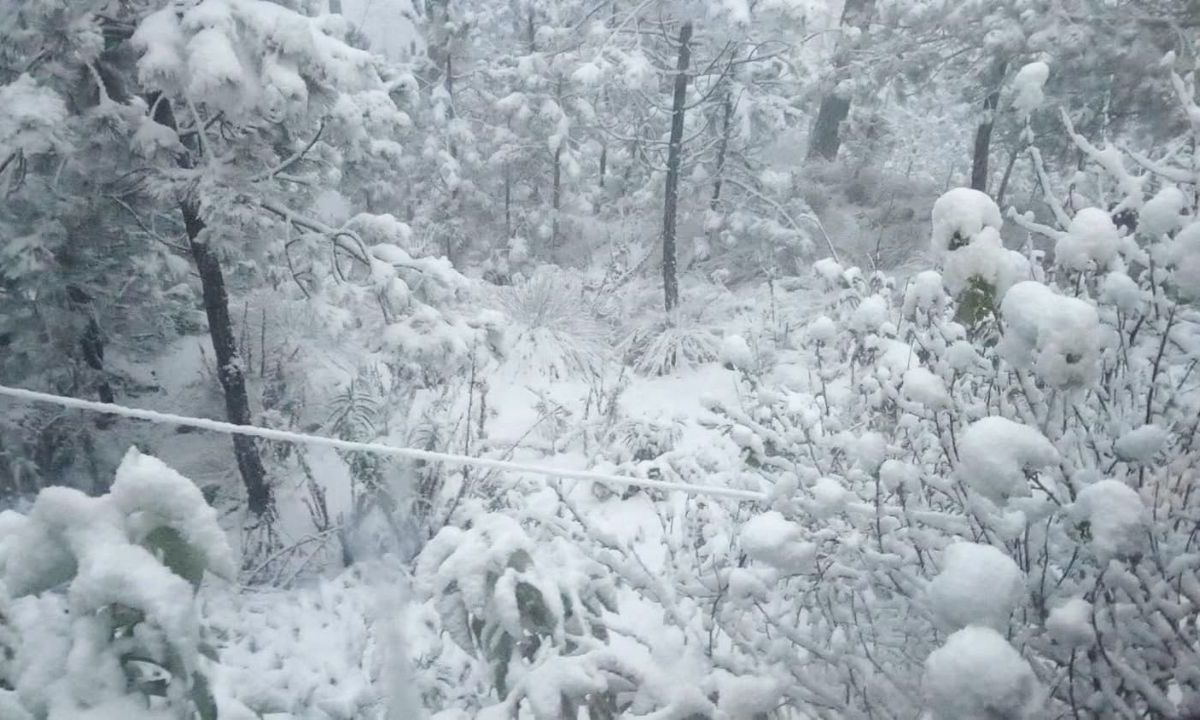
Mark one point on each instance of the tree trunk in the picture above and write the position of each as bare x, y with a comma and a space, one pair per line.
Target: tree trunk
834, 109
508, 230
826, 139
556, 197
983, 133
674, 157
722, 149
229, 365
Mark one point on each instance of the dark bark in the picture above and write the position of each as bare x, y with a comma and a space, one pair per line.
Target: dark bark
508, 233
674, 160
1012, 161
722, 149
983, 133
229, 364
834, 109
826, 133
556, 197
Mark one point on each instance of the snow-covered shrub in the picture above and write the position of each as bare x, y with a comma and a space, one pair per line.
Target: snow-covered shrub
532, 613
970, 528
98, 598
976, 268
677, 343
553, 331
977, 675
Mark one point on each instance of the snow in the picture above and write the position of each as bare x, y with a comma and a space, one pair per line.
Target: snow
978, 585
773, 540
977, 675
924, 293
1028, 86
995, 453
966, 237
34, 118
1120, 291
1163, 214
868, 450
1057, 336
736, 353
870, 315
898, 475
1116, 518
747, 696
92, 545
822, 330
1070, 623
829, 496
1141, 444
1091, 242
960, 215
829, 270
1184, 255
921, 386
152, 495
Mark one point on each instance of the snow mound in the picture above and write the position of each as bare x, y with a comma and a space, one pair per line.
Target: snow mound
897, 474
153, 495
1071, 623
822, 330
1140, 445
966, 234
995, 453
1163, 213
1028, 87
747, 696
960, 215
829, 270
772, 539
922, 386
1116, 517
1184, 255
978, 585
924, 294
1057, 336
977, 675
735, 353
1091, 241
1120, 291
869, 450
870, 315
829, 496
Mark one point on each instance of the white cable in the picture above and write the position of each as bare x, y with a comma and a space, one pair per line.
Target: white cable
377, 448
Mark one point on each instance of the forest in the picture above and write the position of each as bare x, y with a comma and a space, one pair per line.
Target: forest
596, 359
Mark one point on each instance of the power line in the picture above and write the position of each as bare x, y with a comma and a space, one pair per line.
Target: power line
376, 448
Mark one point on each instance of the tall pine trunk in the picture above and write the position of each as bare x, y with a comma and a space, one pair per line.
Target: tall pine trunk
674, 160
229, 364
983, 133
834, 109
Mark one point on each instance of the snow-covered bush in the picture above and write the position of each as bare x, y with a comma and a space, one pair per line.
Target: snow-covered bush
99, 603
553, 331
968, 527
532, 613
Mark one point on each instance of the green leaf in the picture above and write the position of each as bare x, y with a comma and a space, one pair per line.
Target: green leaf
535, 615
975, 303
177, 554
202, 697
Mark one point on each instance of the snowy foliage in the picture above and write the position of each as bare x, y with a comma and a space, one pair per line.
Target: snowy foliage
956, 488
99, 596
